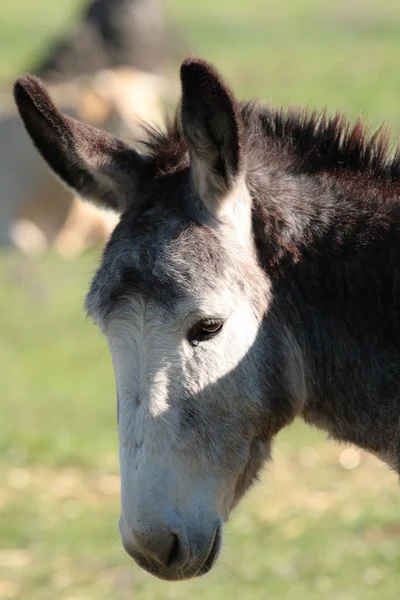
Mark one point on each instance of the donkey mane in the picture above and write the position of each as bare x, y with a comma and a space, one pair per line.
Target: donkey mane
314, 141
167, 146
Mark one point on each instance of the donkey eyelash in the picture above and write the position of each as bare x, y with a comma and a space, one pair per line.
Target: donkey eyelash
204, 330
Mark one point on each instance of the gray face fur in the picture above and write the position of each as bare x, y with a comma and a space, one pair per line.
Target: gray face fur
194, 416
190, 415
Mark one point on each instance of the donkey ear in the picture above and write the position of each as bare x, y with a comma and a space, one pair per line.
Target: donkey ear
213, 127
96, 165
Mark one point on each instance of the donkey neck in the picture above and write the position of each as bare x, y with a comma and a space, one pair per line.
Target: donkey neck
332, 252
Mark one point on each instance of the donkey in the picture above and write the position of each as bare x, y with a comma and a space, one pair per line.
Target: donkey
252, 278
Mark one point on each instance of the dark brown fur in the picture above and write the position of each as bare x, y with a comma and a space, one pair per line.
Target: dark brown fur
336, 273
326, 217
297, 216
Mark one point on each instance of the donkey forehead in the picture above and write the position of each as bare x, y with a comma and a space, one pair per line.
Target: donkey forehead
173, 262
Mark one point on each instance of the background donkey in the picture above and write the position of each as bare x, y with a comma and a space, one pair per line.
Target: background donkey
252, 278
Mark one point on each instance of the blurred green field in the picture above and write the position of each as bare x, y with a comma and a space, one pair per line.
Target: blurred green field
324, 522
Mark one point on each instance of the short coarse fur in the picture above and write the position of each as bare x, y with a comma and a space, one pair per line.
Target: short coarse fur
281, 228
325, 224
326, 218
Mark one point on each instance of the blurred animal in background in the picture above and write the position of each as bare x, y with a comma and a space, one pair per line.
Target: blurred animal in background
112, 33
107, 72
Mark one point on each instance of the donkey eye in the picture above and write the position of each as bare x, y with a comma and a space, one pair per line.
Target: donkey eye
204, 330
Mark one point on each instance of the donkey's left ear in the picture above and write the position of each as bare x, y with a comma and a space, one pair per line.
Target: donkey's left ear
213, 127
98, 166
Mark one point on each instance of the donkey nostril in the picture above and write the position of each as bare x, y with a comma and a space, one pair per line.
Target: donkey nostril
175, 551
167, 550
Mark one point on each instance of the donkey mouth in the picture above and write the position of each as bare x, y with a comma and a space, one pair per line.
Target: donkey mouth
188, 569
212, 555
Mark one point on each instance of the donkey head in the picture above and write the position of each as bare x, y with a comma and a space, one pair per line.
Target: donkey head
186, 309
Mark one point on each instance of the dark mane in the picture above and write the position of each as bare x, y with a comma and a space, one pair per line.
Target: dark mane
167, 147
314, 142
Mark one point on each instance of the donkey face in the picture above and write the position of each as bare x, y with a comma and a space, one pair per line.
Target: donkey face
183, 330
185, 309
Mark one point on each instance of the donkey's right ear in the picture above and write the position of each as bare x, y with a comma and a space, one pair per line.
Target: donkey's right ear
98, 166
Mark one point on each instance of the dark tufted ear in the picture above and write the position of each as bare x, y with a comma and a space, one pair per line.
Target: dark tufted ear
98, 166
213, 127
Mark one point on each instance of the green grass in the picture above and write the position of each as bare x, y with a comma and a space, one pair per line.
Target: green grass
313, 528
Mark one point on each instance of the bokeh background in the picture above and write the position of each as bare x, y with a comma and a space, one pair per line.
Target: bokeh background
324, 521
